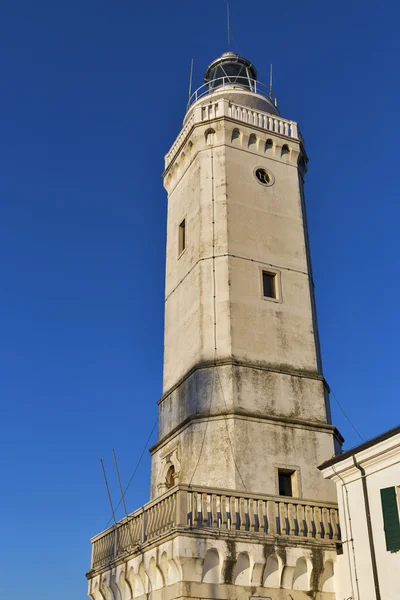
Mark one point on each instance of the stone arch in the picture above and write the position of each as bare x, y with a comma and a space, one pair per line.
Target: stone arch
155, 576
123, 586
94, 592
174, 571
115, 590
136, 583
210, 137
236, 136
327, 577
105, 588
142, 575
253, 141
211, 567
169, 570
301, 575
170, 472
285, 152
272, 572
269, 145
242, 572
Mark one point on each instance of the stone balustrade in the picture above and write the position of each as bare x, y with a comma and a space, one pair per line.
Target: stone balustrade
189, 508
226, 108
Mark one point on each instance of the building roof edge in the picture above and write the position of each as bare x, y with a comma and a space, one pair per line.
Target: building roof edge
368, 444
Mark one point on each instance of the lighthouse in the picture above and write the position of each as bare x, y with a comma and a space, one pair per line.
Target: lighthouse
238, 507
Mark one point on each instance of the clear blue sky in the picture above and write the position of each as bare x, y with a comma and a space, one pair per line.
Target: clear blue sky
92, 96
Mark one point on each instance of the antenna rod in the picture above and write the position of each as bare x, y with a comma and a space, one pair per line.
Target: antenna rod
191, 79
119, 482
108, 491
229, 24
270, 81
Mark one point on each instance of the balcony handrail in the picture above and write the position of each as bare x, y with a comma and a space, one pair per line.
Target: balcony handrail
251, 85
190, 507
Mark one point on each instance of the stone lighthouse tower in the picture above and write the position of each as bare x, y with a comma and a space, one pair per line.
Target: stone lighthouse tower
238, 507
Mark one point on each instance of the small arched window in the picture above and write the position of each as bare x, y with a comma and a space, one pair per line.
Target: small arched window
285, 150
252, 140
269, 145
236, 136
210, 137
170, 478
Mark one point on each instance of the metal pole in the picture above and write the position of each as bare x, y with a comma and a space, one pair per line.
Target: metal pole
228, 24
270, 81
119, 482
191, 79
108, 490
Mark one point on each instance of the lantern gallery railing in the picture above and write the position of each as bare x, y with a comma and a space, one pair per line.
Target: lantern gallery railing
232, 82
191, 508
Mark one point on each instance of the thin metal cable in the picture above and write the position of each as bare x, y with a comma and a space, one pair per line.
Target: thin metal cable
215, 368
136, 468
347, 417
228, 434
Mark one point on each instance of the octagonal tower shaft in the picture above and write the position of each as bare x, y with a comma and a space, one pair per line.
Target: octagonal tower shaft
244, 396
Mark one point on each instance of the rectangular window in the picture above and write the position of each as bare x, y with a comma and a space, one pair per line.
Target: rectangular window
391, 521
285, 480
269, 285
182, 236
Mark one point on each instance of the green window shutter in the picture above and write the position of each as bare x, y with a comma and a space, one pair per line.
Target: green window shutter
391, 518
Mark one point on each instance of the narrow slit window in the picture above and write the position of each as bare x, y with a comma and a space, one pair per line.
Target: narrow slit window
285, 481
182, 236
269, 285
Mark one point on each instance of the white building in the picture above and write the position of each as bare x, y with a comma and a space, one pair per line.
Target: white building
238, 506
368, 484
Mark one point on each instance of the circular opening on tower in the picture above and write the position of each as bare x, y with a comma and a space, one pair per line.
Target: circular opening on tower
264, 177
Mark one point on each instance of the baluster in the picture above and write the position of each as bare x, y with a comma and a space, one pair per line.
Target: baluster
291, 519
242, 517
317, 521
293, 130
252, 504
198, 509
335, 524
204, 511
325, 523
281, 127
282, 518
224, 511
286, 128
301, 520
232, 510
309, 521
271, 515
261, 516
189, 509
216, 511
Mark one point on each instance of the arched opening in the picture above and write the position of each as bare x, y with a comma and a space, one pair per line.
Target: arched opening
236, 136
242, 570
210, 137
170, 477
301, 575
211, 568
252, 140
272, 576
285, 150
269, 145
327, 578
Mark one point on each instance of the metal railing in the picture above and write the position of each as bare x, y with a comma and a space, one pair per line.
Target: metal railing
210, 509
239, 83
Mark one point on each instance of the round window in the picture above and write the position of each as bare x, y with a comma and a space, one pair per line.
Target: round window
264, 177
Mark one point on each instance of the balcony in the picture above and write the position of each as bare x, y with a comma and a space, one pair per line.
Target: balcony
190, 509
